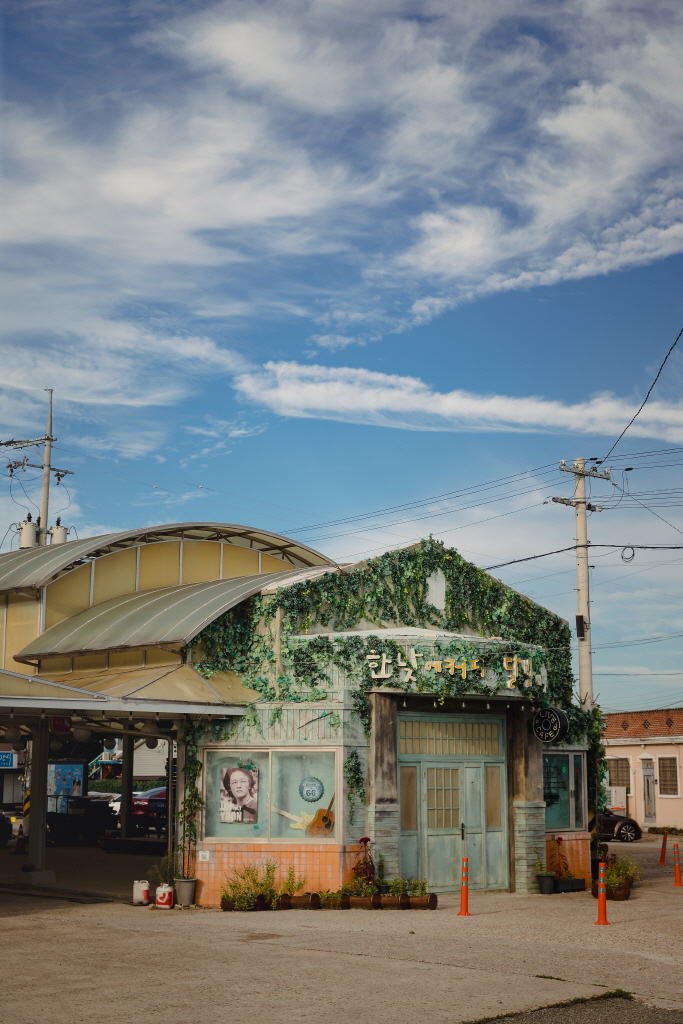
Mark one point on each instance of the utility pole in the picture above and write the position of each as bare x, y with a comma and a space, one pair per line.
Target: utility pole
45, 493
583, 617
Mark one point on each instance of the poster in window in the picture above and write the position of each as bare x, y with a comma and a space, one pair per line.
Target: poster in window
239, 795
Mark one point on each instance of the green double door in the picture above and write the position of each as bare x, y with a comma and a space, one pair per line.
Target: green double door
452, 802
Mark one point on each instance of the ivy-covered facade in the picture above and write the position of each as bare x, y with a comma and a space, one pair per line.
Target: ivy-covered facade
392, 698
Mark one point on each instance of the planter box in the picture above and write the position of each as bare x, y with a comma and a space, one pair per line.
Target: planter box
309, 901
260, 904
546, 884
401, 902
284, 902
373, 902
428, 902
570, 885
184, 891
619, 892
341, 902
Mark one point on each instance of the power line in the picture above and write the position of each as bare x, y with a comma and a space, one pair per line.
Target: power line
559, 551
646, 397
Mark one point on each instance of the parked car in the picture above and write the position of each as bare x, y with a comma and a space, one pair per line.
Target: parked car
5, 829
149, 811
616, 826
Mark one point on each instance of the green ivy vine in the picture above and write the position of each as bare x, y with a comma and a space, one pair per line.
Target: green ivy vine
355, 781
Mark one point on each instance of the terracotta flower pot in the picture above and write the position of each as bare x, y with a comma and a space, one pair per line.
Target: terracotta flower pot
373, 902
428, 902
309, 901
401, 902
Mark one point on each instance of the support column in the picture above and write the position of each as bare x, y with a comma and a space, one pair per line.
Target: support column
526, 805
38, 814
127, 786
383, 811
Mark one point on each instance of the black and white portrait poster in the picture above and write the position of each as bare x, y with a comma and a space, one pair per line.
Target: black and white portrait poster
239, 795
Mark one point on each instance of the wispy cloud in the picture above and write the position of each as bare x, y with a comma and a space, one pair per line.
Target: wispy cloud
364, 396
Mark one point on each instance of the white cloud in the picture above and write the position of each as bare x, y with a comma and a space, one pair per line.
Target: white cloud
365, 396
334, 342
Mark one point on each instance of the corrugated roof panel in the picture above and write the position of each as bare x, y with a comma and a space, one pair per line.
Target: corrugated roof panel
34, 567
148, 618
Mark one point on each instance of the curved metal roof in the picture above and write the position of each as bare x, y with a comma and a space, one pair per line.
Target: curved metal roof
34, 567
147, 618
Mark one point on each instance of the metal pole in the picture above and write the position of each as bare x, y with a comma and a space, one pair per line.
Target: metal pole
38, 815
45, 494
127, 785
583, 596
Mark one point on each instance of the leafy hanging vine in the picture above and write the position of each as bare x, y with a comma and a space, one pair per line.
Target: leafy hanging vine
355, 781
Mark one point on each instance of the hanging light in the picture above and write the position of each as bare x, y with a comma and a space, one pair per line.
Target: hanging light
109, 743
81, 734
463, 703
12, 735
405, 703
151, 727
151, 742
488, 706
55, 745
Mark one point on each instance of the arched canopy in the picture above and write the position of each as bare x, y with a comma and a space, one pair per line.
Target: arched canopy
32, 568
166, 617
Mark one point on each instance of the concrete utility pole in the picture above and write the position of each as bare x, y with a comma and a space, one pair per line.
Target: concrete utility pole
583, 617
45, 493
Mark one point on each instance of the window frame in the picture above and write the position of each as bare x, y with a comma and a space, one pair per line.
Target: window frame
299, 838
571, 753
668, 796
620, 757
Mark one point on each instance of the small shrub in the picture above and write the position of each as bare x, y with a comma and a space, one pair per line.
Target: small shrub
359, 887
244, 884
409, 886
292, 884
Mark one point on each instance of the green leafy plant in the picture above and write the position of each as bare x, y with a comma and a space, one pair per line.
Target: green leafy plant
359, 887
291, 885
243, 885
408, 886
381, 869
355, 781
540, 865
329, 898
619, 870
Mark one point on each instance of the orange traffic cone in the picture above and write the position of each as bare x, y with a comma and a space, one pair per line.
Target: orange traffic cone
677, 866
20, 845
602, 895
464, 890
662, 856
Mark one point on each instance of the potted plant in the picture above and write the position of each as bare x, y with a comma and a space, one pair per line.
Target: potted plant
620, 874
362, 895
251, 887
185, 880
382, 884
285, 895
545, 878
564, 879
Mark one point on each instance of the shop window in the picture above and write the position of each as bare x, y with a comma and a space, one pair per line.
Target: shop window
494, 812
303, 800
437, 736
270, 795
668, 776
443, 798
564, 791
619, 769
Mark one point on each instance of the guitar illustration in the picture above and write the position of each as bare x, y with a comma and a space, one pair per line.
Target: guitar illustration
302, 821
322, 823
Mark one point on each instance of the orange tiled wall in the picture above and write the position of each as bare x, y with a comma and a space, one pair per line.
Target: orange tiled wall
576, 846
324, 866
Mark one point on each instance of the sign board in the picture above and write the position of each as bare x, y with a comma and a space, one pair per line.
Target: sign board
550, 725
8, 759
65, 780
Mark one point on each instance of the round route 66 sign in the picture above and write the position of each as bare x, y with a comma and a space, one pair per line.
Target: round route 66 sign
550, 725
311, 789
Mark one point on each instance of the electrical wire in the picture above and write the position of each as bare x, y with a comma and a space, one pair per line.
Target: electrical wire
645, 399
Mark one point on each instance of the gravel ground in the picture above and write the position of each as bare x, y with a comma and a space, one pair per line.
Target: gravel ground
78, 962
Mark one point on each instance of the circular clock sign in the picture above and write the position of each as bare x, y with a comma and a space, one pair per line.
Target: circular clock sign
550, 725
311, 789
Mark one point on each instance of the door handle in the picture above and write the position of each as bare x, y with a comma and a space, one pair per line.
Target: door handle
462, 829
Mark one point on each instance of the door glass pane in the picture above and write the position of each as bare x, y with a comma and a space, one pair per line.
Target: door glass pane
408, 798
493, 808
578, 791
443, 798
556, 790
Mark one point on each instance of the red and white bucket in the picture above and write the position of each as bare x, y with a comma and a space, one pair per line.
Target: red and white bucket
164, 896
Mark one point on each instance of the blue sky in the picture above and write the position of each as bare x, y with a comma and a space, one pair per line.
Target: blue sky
330, 258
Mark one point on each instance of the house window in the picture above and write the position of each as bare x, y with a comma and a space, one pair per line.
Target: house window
668, 776
619, 772
564, 791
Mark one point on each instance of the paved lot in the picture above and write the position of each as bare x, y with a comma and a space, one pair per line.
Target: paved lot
80, 962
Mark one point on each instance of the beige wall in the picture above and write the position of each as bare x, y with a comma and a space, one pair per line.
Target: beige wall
669, 809
20, 626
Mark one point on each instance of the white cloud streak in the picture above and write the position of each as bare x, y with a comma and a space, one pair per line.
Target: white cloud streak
368, 397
